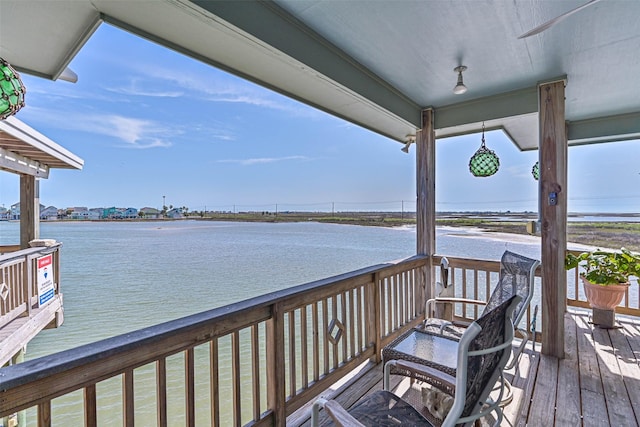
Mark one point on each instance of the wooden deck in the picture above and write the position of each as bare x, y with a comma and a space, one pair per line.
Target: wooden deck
597, 384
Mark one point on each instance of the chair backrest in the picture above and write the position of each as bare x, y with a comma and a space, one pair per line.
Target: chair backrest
517, 275
483, 352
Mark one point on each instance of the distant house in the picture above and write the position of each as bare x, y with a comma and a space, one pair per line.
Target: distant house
14, 211
95, 213
150, 213
112, 213
130, 213
175, 213
50, 213
81, 213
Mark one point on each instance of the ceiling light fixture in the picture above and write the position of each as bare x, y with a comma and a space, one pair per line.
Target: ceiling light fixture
460, 87
410, 140
11, 90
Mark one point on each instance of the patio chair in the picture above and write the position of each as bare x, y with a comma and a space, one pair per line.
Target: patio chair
482, 353
517, 275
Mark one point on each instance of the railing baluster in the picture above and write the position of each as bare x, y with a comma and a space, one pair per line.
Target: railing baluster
475, 292
127, 399
343, 319
390, 306
214, 381
235, 378
190, 389
316, 341
292, 352
44, 414
334, 314
304, 363
255, 371
352, 326
161, 392
90, 408
401, 300
325, 341
374, 316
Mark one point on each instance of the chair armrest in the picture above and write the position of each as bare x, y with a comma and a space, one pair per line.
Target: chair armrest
458, 300
454, 300
340, 416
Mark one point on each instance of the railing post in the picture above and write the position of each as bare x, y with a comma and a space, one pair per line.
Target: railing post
276, 398
28, 274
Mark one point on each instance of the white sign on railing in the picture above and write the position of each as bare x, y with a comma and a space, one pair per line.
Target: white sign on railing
45, 280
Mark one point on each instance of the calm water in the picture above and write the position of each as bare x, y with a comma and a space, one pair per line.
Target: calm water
121, 276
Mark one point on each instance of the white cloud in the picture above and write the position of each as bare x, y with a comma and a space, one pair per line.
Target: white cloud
134, 89
225, 89
136, 133
263, 160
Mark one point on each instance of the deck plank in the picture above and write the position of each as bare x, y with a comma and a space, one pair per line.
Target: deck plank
615, 392
621, 340
527, 395
518, 377
594, 409
543, 403
568, 396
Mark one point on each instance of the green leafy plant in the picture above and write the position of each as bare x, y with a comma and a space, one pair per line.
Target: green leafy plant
606, 268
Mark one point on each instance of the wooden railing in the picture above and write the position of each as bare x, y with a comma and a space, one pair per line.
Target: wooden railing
476, 279
18, 283
252, 362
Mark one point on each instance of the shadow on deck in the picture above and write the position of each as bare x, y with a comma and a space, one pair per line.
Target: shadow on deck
597, 384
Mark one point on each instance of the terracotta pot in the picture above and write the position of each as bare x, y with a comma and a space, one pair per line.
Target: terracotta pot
604, 297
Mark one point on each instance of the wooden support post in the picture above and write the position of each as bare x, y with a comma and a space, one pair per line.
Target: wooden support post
553, 214
276, 398
29, 210
426, 198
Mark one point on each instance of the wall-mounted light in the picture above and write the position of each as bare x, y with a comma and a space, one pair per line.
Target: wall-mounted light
410, 140
11, 90
460, 87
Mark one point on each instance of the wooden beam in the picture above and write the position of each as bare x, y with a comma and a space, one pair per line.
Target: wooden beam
604, 129
508, 104
553, 214
426, 197
13, 162
29, 210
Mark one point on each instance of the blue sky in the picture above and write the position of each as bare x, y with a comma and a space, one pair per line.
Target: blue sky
150, 122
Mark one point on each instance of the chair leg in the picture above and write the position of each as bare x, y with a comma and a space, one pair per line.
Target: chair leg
518, 352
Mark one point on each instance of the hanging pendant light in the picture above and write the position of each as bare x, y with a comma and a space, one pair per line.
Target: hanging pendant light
535, 171
11, 90
484, 162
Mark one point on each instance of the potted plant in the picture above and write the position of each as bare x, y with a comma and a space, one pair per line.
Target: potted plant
605, 275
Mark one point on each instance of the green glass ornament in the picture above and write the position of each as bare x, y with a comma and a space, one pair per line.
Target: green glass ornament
12, 90
484, 162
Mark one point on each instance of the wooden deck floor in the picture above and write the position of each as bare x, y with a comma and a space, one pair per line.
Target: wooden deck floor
597, 384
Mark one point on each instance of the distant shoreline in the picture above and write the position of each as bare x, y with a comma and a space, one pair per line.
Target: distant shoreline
592, 233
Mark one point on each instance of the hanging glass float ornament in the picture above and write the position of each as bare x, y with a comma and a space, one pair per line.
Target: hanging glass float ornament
535, 171
484, 162
11, 90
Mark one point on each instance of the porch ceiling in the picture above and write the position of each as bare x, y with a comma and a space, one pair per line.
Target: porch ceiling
379, 63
